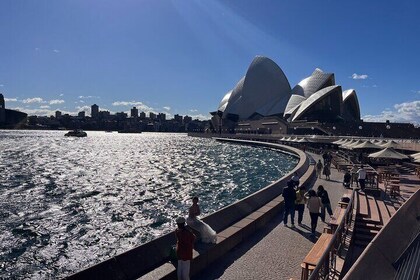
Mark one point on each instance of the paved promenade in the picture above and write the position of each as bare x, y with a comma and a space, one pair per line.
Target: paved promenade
276, 251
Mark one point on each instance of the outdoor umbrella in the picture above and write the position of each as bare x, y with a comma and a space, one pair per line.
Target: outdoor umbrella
391, 144
389, 153
416, 155
366, 145
351, 145
303, 140
339, 142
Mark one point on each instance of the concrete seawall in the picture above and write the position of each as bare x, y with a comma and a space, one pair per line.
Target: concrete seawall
233, 224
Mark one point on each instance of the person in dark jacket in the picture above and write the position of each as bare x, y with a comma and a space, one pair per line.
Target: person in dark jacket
289, 195
323, 195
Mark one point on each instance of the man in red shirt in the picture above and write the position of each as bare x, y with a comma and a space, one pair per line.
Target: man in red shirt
184, 249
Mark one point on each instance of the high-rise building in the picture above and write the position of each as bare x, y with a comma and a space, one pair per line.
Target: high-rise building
142, 115
2, 109
81, 114
178, 118
57, 114
187, 119
161, 116
134, 112
152, 116
94, 112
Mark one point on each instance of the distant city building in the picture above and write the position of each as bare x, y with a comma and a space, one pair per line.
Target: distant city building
161, 117
142, 115
2, 109
94, 112
152, 116
187, 119
57, 114
134, 112
10, 118
121, 115
81, 114
178, 118
103, 115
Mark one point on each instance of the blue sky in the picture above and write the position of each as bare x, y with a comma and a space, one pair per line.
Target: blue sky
181, 57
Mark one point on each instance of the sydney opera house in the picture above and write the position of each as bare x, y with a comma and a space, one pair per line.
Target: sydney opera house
263, 101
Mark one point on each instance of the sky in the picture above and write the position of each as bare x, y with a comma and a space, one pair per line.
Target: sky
183, 56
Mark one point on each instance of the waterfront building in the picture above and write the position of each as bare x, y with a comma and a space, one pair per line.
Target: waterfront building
134, 112
94, 112
142, 115
316, 105
187, 119
178, 118
152, 116
161, 116
57, 114
10, 118
2, 109
81, 114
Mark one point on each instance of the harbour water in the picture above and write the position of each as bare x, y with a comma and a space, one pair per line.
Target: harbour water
67, 203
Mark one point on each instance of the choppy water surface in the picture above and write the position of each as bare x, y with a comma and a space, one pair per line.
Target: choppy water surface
67, 203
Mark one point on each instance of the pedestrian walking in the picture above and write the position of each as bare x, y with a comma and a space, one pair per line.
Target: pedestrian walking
319, 168
314, 204
327, 171
361, 173
184, 249
289, 195
300, 203
325, 200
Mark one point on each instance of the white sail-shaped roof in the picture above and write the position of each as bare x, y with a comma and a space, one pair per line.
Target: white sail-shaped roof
317, 81
263, 83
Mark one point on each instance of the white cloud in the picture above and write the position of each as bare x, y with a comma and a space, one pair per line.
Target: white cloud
167, 108
56, 101
193, 110
87, 97
1, 85
359, 77
10, 99
61, 94
416, 91
44, 106
139, 105
83, 108
201, 117
33, 100
404, 112
56, 51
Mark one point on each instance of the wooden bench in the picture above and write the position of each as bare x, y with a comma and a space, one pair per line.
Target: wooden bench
315, 254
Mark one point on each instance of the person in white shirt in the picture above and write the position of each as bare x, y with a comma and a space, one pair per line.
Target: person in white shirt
361, 173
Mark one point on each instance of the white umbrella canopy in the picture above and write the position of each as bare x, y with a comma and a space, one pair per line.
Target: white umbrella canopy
366, 145
339, 142
380, 142
391, 144
416, 155
347, 142
351, 145
388, 153
303, 140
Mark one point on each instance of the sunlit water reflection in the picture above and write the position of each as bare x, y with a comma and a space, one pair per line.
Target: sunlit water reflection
67, 203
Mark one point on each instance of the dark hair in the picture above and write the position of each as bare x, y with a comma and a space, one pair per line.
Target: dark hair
195, 198
312, 193
320, 188
290, 184
302, 188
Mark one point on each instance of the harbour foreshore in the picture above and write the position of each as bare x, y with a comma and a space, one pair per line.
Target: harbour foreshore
233, 224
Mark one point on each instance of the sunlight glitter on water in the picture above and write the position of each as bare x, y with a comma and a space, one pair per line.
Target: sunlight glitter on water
67, 203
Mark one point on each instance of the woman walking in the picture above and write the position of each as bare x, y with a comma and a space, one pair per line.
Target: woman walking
313, 204
300, 203
327, 171
319, 167
323, 195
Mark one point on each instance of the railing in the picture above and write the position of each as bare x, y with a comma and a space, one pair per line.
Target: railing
328, 260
